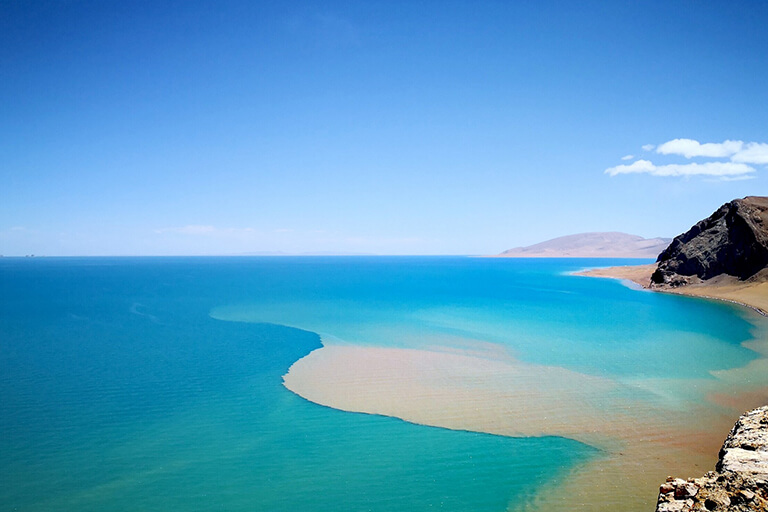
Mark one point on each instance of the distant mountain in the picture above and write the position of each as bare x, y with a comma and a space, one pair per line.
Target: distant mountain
732, 241
592, 245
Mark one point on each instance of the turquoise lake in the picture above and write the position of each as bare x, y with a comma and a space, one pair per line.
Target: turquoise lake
155, 384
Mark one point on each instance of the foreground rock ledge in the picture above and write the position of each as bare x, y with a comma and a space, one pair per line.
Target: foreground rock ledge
740, 482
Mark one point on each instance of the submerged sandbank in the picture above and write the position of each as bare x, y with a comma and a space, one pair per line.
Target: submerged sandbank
643, 438
646, 428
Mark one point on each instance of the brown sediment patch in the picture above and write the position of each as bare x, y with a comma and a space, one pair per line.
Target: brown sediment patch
741, 401
642, 441
645, 431
453, 390
625, 481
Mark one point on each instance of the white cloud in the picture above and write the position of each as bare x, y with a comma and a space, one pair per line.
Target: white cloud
739, 154
752, 153
716, 169
690, 148
641, 166
736, 178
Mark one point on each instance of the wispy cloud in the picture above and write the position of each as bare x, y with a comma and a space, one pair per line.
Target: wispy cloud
192, 229
719, 169
690, 148
752, 153
628, 157
736, 178
733, 164
736, 150
204, 230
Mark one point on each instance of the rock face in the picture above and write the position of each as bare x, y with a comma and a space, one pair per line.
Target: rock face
592, 245
732, 241
740, 482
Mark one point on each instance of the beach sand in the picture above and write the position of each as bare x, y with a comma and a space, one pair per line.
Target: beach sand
751, 293
638, 274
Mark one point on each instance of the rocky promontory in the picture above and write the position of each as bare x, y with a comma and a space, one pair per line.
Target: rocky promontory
724, 256
740, 480
733, 241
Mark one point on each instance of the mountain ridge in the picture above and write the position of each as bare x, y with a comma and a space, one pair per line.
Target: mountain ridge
599, 244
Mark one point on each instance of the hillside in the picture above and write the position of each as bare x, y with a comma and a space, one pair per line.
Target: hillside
733, 242
592, 245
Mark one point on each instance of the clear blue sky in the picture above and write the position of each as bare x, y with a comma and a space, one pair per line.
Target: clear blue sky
442, 127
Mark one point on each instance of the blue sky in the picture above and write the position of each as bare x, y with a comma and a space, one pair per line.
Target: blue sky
445, 127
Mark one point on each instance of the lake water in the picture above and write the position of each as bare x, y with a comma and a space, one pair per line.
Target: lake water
156, 383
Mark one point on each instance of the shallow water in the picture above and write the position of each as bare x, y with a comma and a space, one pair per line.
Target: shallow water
531, 307
123, 388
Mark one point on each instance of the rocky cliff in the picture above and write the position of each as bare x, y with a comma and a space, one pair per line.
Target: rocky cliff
731, 241
740, 480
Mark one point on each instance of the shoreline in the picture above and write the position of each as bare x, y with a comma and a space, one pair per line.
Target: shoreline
751, 295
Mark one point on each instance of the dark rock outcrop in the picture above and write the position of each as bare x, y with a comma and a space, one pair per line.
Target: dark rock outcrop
732, 241
740, 482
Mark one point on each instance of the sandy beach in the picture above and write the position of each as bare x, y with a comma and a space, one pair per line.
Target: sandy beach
750, 293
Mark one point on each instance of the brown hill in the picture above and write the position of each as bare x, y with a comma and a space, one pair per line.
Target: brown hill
592, 245
732, 241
